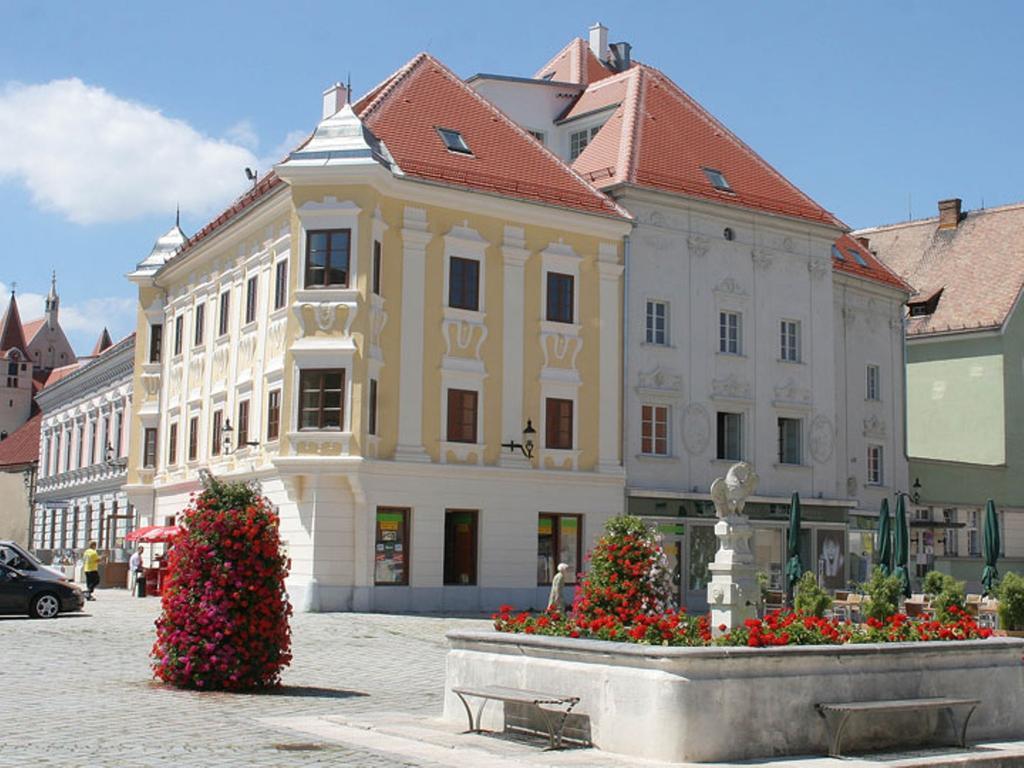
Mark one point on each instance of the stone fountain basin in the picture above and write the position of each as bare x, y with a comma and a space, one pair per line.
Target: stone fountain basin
712, 704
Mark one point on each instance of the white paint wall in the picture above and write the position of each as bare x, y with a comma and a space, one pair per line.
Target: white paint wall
771, 270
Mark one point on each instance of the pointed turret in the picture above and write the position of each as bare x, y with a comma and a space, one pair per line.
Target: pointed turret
12, 335
103, 343
163, 249
52, 302
339, 139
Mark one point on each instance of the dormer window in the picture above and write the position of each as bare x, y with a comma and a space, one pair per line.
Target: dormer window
856, 256
837, 254
924, 304
717, 179
453, 141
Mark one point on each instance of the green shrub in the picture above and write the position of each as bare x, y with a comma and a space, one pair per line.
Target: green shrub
811, 599
950, 594
933, 582
883, 594
1011, 601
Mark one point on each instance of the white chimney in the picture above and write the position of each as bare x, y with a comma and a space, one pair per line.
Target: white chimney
599, 41
334, 99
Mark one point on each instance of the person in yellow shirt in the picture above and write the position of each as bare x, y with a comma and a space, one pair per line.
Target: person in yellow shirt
91, 566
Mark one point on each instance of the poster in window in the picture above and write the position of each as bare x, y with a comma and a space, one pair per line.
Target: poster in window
568, 549
832, 559
389, 560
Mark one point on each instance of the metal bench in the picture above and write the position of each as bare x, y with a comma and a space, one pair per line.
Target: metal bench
837, 714
554, 720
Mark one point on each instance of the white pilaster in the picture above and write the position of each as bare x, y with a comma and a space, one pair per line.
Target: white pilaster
512, 419
410, 388
609, 362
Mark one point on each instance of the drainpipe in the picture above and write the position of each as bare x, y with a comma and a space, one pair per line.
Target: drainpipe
624, 409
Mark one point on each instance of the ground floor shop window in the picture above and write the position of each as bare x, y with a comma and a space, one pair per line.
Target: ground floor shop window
391, 555
559, 540
832, 558
460, 537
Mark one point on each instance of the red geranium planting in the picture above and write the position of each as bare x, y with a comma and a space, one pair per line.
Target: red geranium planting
224, 624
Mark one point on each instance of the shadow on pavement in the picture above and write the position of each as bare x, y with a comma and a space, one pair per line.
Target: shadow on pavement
313, 692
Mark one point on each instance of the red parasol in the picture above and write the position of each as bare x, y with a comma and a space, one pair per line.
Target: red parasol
154, 534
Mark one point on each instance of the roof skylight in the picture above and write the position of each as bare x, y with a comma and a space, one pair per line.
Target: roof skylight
837, 254
856, 256
717, 179
453, 141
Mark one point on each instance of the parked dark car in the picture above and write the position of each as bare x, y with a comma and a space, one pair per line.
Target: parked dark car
23, 593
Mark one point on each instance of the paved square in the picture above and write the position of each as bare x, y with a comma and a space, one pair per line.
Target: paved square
77, 690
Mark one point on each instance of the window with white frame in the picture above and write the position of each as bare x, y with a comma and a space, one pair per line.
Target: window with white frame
973, 537
578, 141
729, 333
654, 420
874, 383
657, 322
951, 543
729, 437
790, 434
875, 476
790, 341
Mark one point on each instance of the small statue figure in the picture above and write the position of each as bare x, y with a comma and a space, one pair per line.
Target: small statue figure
556, 602
730, 493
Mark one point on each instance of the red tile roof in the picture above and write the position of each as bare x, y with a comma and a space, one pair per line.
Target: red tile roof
405, 111
32, 328
22, 447
873, 269
659, 137
59, 373
978, 267
263, 187
575, 63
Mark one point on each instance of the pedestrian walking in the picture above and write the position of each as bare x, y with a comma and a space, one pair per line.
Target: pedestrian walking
91, 566
138, 576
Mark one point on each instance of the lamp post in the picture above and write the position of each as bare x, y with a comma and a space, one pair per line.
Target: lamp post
28, 477
525, 447
914, 497
228, 431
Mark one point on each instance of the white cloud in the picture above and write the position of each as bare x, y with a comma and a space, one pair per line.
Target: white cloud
91, 156
243, 133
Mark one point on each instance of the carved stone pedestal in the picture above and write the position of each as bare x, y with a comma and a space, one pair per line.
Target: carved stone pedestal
733, 591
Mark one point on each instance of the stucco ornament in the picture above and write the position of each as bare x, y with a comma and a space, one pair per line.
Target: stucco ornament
822, 438
733, 590
696, 428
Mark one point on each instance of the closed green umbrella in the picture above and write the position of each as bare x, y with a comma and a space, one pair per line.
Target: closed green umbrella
883, 550
990, 574
794, 568
901, 546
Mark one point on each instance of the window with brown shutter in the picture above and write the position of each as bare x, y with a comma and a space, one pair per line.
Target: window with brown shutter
461, 416
243, 423
193, 438
559, 424
218, 432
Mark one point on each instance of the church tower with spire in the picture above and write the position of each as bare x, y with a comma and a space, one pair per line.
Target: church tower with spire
15, 372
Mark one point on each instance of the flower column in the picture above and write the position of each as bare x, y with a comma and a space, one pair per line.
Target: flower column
410, 384
610, 389
512, 420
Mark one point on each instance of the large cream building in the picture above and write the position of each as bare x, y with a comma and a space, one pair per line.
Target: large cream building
362, 332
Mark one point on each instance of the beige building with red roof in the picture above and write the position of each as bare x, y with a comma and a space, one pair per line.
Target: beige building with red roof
409, 334
965, 379
756, 328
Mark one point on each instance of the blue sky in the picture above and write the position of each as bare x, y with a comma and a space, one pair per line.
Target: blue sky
875, 109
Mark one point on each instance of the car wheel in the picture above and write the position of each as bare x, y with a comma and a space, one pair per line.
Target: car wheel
45, 606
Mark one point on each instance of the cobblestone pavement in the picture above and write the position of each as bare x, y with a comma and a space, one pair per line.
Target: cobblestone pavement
77, 690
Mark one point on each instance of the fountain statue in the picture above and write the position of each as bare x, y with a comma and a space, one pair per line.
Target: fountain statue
733, 590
